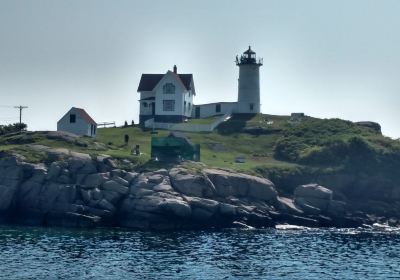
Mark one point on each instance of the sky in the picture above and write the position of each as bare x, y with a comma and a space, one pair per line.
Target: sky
328, 59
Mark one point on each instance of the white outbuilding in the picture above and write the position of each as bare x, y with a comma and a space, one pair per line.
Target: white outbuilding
78, 122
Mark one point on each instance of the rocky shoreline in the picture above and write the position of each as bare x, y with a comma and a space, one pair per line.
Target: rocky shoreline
76, 190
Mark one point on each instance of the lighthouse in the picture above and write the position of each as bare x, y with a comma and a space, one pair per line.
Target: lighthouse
249, 82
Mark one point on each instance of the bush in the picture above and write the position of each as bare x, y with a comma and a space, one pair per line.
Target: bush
10, 128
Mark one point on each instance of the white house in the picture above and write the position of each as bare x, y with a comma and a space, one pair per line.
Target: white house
166, 97
78, 122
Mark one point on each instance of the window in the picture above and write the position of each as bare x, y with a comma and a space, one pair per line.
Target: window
251, 106
168, 105
184, 106
72, 118
169, 88
145, 104
218, 108
190, 106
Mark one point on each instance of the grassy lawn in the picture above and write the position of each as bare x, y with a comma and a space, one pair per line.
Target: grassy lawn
280, 144
208, 120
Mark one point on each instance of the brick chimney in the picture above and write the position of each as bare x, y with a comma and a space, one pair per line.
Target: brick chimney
175, 69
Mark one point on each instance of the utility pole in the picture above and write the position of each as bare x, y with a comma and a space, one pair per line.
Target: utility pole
20, 111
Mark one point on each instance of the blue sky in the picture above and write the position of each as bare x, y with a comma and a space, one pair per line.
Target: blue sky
324, 58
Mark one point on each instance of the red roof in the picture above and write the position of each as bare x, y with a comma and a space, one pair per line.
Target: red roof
85, 115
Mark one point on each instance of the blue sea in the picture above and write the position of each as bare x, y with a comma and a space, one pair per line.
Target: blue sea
51, 253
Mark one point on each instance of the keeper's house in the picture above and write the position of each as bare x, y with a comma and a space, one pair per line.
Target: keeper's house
166, 98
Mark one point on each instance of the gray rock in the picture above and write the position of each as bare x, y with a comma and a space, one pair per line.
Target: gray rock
99, 212
104, 204
314, 202
241, 185
206, 204
163, 172
96, 180
54, 171
177, 207
162, 188
313, 191
145, 204
96, 194
121, 181
111, 163
111, 196
287, 205
29, 194
142, 192
88, 168
80, 179
12, 172
115, 187
6, 197
192, 185
200, 214
85, 195
48, 195
307, 208
76, 163
155, 178
39, 176
336, 208
130, 176
227, 209
67, 194
116, 173
63, 179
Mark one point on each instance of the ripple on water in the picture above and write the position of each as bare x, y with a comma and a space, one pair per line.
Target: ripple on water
301, 253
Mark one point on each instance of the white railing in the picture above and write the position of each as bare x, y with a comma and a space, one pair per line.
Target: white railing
189, 127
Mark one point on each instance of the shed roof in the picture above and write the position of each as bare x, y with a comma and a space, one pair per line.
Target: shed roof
84, 115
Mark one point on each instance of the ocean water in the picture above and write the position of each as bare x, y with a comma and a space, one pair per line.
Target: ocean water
49, 253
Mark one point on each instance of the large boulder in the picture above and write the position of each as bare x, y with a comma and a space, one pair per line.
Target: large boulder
176, 207
313, 191
203, 209
190, 184
115, 187
29, 193
313, 198
241, 185
96, 180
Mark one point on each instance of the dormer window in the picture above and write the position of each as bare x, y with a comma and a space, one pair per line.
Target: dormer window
169, 88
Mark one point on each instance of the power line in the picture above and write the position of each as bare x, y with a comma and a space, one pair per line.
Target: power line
20, 111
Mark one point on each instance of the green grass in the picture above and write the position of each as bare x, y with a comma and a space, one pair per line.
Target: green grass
273, 144
208, 120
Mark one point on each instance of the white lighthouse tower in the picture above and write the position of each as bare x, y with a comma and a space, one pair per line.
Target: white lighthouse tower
249, 82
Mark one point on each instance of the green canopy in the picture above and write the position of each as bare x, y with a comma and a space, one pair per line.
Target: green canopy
174, 147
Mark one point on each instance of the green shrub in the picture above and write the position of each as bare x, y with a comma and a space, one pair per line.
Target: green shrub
10, 128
